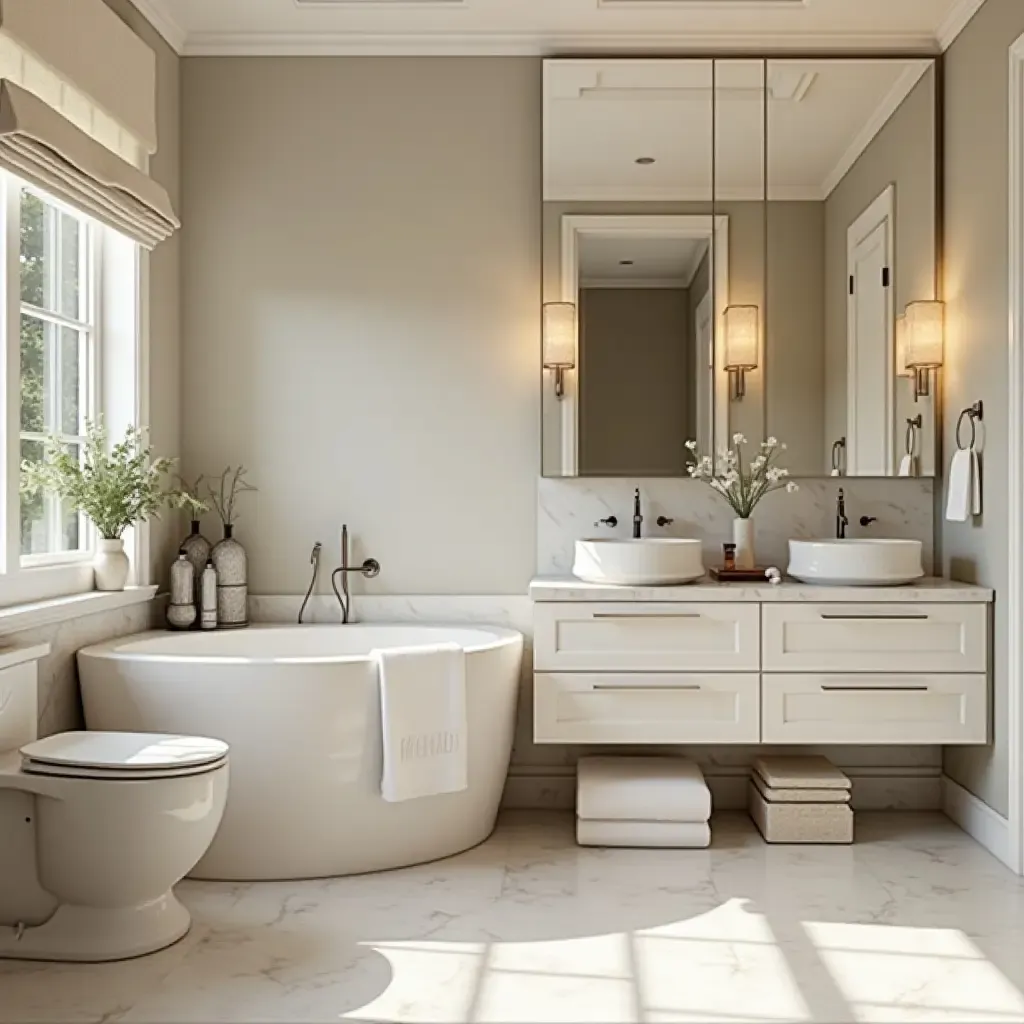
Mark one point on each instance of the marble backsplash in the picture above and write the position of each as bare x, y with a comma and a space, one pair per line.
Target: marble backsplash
568, 509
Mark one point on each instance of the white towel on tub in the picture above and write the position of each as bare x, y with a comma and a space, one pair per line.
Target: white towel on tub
423, 715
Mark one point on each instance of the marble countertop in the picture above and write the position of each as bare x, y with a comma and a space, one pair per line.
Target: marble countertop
930, 590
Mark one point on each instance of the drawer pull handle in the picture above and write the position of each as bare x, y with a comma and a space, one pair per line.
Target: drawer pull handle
646, 615
868, 688
624, 688
920, 617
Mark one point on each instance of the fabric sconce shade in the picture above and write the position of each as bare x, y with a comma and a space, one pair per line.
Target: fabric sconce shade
902, 370
559, 341
742, 339
923, 342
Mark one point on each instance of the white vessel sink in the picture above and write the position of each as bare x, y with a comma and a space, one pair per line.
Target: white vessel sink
649, 562
856, 563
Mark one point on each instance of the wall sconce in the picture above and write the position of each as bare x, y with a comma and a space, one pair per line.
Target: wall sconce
559, 341
922, 342
742, 337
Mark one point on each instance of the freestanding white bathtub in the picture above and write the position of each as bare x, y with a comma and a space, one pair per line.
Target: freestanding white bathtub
300, 708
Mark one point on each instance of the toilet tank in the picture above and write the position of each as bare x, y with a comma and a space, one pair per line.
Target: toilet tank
19, 682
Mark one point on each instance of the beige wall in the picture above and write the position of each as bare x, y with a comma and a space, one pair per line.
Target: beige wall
976, 290
794, 380
165, 398
902, 153
362, 311
636, 382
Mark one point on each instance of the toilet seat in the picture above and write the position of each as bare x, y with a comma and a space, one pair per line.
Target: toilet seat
122, 756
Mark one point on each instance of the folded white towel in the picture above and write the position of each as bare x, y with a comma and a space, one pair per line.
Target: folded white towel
423, 715
641, 789
671, 834
975, 483
960, 499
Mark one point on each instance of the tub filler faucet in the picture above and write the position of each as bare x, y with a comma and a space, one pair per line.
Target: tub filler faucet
369, 569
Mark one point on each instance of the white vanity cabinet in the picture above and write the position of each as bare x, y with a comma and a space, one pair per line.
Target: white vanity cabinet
734, 663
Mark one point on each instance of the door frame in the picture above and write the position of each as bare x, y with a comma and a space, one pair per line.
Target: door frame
881, 211
1015, 469
718, 420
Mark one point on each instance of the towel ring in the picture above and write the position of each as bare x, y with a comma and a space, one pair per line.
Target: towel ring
973, 414
910, 442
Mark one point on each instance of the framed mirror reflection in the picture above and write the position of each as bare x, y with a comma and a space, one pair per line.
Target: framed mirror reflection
740, 246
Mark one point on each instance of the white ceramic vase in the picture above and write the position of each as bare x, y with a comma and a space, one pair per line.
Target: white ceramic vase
111, 565
743, 538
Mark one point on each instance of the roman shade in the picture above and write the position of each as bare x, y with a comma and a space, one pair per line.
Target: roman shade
45, 149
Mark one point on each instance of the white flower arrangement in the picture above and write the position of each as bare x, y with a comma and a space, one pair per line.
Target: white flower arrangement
742, 485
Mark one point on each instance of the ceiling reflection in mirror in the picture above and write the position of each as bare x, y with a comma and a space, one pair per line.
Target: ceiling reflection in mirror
737, 239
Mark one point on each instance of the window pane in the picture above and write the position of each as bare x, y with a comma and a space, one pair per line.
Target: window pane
52, 269
70, 283
72, 377
33, 246
72, 534
36, 339
33, 508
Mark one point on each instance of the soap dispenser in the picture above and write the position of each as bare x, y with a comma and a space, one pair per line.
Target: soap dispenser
181, 612
208, 597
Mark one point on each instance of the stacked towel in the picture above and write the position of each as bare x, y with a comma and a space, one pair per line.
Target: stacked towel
800, 800
642, 801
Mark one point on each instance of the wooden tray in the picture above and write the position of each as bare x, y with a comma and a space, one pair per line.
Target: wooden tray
755, 575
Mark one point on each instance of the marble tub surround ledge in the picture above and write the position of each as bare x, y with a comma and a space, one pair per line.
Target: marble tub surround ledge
931, 590
567, 510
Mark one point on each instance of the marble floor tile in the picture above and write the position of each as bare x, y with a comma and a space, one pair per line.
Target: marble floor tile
915, 922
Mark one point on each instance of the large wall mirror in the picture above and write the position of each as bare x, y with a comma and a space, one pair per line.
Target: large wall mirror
729, 246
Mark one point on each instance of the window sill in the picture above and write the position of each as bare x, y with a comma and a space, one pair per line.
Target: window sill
61, 609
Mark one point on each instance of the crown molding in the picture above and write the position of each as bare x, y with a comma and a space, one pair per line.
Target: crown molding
705, 5
956, 21
511, 44
157, 14
903, 87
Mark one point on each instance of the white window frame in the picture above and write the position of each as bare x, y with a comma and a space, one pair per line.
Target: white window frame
92, 250
117, 366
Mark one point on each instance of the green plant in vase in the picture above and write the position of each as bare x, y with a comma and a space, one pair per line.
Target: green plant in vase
115, 486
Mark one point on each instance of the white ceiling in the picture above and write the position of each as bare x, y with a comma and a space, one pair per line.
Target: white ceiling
371, 27
653, 262
601, 117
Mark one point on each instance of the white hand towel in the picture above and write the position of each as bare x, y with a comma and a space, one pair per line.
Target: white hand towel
961, 486
641, 789
975, 483
644, 834
907, 466
423, 715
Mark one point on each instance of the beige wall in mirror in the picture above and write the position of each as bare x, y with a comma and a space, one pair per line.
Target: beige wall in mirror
637, 152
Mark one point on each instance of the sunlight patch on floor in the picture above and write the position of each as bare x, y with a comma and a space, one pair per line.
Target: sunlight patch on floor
889, 973
727, 966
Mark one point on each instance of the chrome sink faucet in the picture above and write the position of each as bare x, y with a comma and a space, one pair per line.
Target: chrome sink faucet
842, 522
638, 519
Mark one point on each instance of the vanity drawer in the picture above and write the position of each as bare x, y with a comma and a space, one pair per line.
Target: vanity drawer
875, 637
874, 708
646, 708
601, 637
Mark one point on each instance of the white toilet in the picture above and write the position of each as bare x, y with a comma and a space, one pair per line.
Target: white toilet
95, 829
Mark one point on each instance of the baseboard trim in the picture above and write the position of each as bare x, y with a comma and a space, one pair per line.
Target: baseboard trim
978, 820
554, 789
